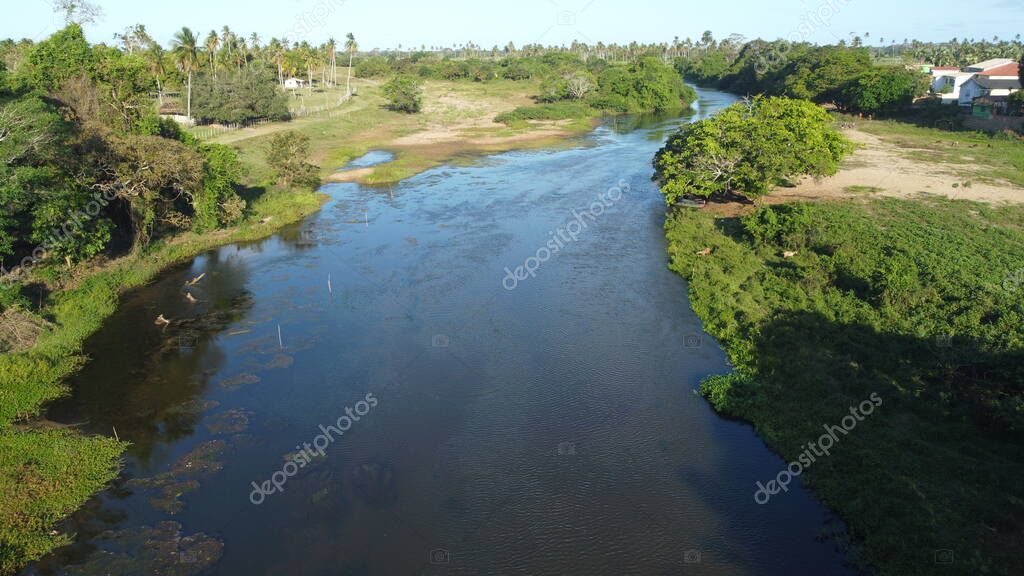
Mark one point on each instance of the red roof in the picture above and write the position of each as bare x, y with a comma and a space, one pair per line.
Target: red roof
1004, 70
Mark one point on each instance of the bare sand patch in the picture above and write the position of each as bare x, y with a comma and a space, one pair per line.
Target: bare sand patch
880, 168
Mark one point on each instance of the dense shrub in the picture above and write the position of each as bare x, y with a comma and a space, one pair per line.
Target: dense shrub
232, 97
217, 204
883, 90
372, 67
404, 94
785, 225
644, 86
286, 154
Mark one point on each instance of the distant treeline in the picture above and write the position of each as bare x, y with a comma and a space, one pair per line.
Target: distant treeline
570, 87
848, 77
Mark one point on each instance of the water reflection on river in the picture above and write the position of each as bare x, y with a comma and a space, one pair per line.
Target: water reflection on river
548, 429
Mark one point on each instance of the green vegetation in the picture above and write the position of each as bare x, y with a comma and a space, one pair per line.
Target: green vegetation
883, 90
554, 111
286, 154
234, 97
91, 170
404, 94
845, 76
916, 301
748, 149
575, 91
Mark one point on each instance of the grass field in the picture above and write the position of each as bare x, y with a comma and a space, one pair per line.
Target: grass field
921, 302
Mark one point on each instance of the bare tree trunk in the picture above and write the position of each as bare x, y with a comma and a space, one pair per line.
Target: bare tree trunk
348, 83
189, 114
159, 92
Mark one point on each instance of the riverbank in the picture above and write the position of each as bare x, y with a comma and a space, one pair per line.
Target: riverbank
47, 472
918, 301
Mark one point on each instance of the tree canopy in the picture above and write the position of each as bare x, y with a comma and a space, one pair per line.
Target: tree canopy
748, 149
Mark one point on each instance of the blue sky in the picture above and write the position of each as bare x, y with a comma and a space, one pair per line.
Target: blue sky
411, 23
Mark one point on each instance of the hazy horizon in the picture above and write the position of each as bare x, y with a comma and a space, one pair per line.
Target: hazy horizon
551, 22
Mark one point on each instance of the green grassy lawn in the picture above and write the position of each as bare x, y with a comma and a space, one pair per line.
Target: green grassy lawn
921, 302
999, 158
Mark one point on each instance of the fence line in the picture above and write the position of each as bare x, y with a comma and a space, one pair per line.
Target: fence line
213, 130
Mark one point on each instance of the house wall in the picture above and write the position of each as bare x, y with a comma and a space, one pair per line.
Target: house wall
969, 91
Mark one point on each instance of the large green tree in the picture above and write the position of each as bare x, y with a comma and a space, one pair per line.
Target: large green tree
883, 90
53, 61
748, 149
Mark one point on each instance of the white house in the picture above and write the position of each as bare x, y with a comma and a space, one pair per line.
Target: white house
294, 83
988, 65
947, 81
995, 81
953, 85
979, 86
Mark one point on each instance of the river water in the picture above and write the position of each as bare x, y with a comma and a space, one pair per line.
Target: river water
371, 392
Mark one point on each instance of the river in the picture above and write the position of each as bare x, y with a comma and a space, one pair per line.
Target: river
485, 369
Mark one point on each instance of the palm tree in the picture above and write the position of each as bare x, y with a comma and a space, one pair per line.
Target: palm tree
332, 57
351, 46
254, 42
186, 52
226, 36
211, 44
157, 69
276, 49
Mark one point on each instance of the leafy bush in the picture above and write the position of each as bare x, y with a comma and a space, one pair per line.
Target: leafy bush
647, 85
404, 94
786, 225
748, 149
217, 203
286, 154
372, 67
